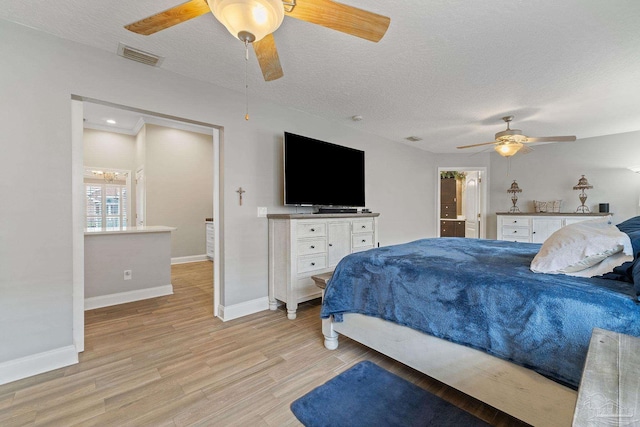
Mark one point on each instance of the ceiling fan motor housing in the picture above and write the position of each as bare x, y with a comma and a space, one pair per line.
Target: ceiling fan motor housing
511, 135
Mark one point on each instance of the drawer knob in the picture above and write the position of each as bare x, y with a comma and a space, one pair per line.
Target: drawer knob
313, 247
515, 231
313, 263
330, 244
363, 240
515, 221
313, 229
364, 226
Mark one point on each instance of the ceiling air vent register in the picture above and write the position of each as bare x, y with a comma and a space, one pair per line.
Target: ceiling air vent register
139, 55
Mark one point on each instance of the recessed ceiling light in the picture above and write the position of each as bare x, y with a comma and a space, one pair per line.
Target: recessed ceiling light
413, 138
111, 121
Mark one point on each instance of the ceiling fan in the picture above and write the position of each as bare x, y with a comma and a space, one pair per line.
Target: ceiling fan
254, 21
511, 141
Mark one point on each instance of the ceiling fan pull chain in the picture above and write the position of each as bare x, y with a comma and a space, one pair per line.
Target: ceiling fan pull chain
246, 81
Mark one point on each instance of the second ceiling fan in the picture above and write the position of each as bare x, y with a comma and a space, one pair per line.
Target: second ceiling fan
254, 21
511, 141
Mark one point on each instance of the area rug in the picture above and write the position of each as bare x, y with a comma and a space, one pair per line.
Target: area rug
367, 395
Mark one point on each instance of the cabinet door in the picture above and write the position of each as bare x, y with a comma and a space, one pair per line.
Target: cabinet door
543, 228
338, 241
448, 190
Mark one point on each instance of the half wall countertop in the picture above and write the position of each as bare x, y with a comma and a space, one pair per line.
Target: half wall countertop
128, 230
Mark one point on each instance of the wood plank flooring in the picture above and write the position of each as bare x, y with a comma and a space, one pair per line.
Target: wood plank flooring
167, 362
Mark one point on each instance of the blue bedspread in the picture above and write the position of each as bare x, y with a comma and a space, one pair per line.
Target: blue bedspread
481, 293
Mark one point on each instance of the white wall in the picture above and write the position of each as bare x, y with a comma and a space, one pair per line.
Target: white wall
551, 171
37, 79
109, 149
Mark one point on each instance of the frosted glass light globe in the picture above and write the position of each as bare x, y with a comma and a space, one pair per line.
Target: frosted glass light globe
248, 20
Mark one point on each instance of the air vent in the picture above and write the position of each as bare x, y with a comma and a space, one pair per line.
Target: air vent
139, 55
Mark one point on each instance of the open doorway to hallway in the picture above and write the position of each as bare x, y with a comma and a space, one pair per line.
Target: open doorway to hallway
160, 123
461, 202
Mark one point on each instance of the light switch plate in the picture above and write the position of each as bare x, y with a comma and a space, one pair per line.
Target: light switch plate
262, 212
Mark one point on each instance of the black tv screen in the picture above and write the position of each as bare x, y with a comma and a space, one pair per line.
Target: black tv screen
322, 174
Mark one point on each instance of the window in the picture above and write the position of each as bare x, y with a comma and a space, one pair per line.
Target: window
106, 205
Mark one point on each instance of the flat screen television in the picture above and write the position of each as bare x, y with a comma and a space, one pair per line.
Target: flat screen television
318, 173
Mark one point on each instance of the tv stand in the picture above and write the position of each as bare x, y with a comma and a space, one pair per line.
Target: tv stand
336, 210
304, 245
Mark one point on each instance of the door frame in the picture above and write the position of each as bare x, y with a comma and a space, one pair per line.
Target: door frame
77, 208
483, 196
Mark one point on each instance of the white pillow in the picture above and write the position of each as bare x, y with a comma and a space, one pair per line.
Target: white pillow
579, 246
603, 267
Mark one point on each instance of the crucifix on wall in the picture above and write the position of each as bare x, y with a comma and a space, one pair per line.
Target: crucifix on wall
240, 191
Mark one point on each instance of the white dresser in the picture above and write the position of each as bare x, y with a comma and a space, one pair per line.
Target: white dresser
537, 227
303, 245
210, 239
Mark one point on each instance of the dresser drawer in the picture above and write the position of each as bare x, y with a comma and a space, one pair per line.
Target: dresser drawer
362, 240
311, 229
516, 221
365, 226
311, 263
448, 211
516, 239
312, 246
509, 232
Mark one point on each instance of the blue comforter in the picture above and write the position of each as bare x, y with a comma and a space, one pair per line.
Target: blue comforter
481, 293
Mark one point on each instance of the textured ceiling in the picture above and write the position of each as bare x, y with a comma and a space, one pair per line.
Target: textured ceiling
446, 71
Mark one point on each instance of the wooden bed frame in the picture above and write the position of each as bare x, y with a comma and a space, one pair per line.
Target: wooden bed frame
510, 388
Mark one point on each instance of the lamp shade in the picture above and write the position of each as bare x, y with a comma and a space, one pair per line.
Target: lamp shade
514, 188
582, 184
508, 149
248, 20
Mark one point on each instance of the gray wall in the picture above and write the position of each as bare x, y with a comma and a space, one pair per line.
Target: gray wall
37, 81
179, 174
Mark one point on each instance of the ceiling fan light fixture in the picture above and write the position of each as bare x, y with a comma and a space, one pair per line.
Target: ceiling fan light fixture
248, 20
508, 149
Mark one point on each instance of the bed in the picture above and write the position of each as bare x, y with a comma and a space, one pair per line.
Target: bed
473, 315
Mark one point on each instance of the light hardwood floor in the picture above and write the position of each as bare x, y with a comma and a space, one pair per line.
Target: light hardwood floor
167, 362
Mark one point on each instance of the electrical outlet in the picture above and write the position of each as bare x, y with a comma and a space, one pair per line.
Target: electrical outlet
262, 212
127, 275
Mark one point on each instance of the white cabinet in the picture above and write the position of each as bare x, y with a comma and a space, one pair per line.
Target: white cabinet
210, 236
303, 245
537, 227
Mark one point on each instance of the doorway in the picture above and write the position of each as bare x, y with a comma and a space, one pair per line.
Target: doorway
461, 202
77, 108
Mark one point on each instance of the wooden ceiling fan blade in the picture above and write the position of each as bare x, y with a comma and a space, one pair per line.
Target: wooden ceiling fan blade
551, 139
169, 17
268, 58
476, 145
340, 17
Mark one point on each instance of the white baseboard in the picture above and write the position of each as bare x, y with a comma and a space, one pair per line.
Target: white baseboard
124, 297
187, 259
243, 309
35, 364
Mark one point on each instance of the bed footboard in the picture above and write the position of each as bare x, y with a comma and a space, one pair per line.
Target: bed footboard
510, 388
